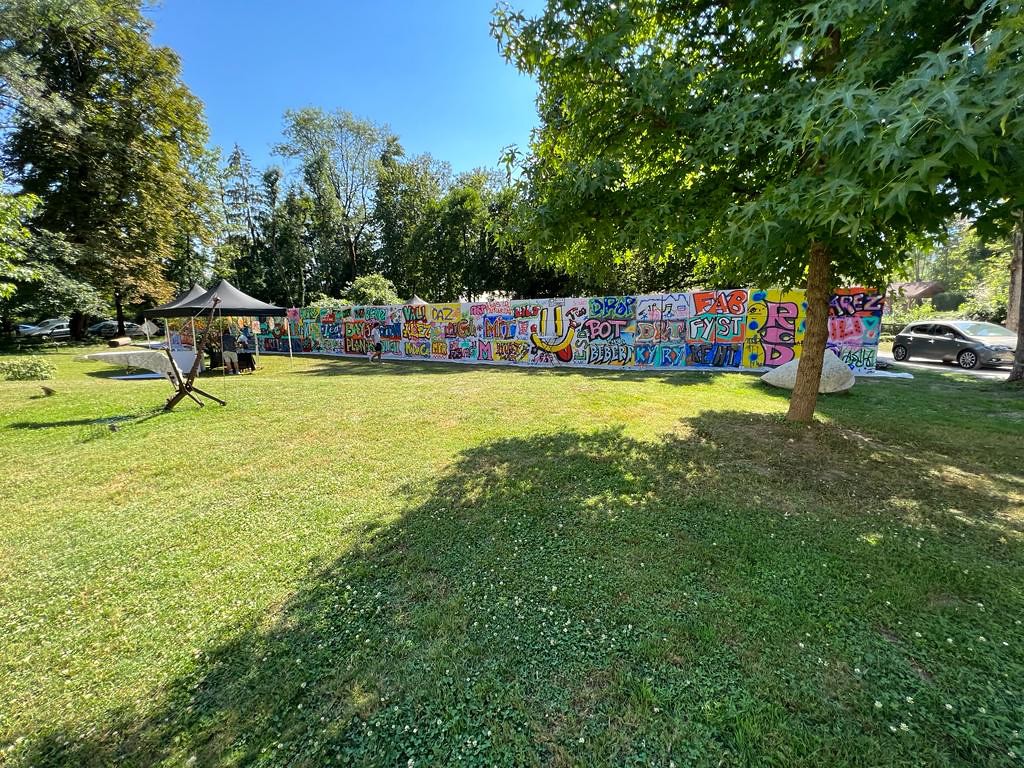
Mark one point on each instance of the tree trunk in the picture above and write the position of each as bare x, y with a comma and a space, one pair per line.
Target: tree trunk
1017, 372
352, 255
1015, 314
808, 372
77, 325
1016, 275
119, 310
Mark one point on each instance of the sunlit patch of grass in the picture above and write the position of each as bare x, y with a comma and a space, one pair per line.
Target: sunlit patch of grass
371, 565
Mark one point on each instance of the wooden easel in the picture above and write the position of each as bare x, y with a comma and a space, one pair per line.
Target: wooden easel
186, 387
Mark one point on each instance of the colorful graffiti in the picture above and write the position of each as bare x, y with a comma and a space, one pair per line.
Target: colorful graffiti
854, 325
756, 328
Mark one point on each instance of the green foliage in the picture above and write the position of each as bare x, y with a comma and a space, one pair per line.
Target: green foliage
975, 273
371, 289
408, 190
27, 369
948, 301
113, 166
989, 296
741, 133
14, 237
567, 555
52, 290
901, 315
341, 158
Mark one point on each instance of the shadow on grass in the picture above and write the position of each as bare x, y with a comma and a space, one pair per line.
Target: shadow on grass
592, 599
355, 367
113, 422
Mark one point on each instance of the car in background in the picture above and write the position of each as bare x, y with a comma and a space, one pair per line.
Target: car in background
43, 327
107, 329
968, 343
51, 329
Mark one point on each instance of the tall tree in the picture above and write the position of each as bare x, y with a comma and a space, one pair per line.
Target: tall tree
116, 184
778, 143
340, 155
200, 226
408, 190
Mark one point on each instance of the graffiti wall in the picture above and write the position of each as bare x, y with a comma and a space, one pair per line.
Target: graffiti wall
186, 332
740, 328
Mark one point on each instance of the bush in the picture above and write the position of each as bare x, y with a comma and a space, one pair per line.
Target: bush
948, 301
371, 289
27, 369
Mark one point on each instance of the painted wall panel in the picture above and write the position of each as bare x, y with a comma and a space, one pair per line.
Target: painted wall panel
736, 328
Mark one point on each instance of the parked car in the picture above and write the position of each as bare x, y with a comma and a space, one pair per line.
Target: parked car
107, 329
968, 343
49, 323
56, 330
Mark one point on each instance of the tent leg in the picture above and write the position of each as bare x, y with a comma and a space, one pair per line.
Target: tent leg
174, 399
198, 402
208, 395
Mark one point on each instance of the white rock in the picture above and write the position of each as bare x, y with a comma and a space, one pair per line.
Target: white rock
836, 376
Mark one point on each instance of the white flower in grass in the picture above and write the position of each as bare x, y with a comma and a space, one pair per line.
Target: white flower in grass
878, 705
981, 710
904, 727
910, 699
949, 707
581, 739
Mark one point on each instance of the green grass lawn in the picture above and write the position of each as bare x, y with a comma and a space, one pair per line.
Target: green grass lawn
417, 564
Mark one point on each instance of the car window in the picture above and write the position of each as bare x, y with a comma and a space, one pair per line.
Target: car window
923, 330
984, 329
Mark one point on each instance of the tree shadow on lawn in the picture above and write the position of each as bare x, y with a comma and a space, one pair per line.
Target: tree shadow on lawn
740, 592
355, 367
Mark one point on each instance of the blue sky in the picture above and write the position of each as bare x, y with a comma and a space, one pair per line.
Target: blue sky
427, 68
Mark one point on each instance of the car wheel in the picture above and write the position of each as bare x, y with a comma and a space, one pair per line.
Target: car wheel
968, 359
900, 353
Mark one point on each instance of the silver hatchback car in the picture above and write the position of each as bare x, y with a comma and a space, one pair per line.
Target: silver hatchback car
967, 343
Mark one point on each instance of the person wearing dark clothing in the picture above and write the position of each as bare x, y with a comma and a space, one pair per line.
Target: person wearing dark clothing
229, 351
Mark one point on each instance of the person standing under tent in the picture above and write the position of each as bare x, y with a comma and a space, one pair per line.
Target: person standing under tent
377, 348
229, 351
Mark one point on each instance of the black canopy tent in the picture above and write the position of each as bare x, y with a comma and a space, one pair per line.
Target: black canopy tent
192, 293
223, 299
229, 301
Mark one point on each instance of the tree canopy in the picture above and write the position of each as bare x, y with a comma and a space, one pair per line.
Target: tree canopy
770, 142
103, 132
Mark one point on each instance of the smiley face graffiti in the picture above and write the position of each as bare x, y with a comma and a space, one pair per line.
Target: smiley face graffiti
563, 331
